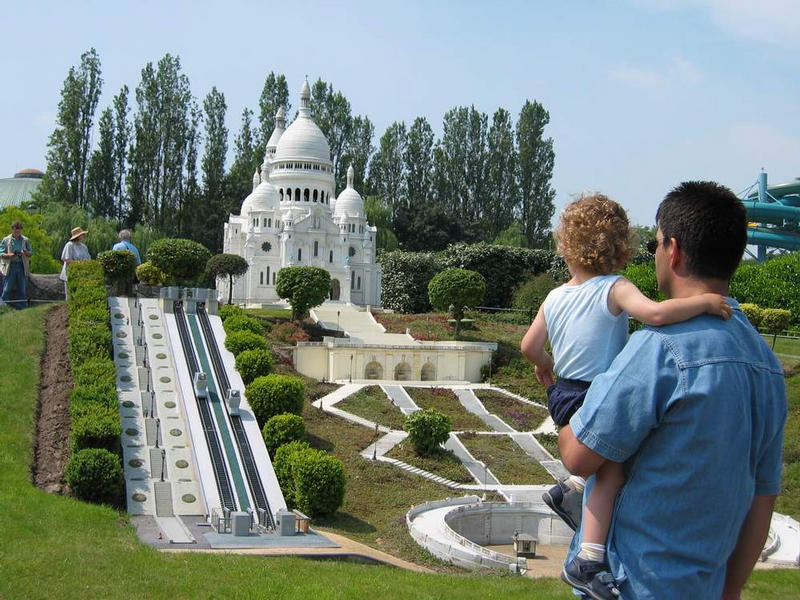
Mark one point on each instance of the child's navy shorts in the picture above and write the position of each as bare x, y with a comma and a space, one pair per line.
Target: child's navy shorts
564, 397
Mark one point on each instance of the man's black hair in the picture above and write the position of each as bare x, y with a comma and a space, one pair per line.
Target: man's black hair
710, 225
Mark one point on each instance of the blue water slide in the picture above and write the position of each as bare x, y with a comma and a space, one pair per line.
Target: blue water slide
774, 216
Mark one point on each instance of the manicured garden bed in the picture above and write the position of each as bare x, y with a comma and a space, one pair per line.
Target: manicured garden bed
440, 462
373, 404
505, 459
446, 402
521, 416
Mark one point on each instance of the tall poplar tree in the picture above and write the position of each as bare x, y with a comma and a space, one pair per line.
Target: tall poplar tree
122, 137
274, 94
208, 222
502, 195
69, 144
331, 111
536, 160
359, 150
418, 158
239, 180
387, 171
100, 179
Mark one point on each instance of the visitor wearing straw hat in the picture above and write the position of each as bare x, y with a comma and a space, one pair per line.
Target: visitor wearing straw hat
74, 250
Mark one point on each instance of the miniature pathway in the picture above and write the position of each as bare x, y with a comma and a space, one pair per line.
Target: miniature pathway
359, 325
532, 448
472, 404
477, 469
400, 398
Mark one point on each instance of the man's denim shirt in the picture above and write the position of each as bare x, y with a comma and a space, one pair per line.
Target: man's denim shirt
695, 411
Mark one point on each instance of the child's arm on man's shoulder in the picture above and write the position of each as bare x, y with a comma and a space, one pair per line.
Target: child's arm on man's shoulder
532, 347
624, 295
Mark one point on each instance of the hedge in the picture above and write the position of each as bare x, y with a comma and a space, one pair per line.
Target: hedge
753, 312
149, 274
97, 427
404, 280
83, 399
229, 310
242, 323
254, 363
282, 429
273, 395
181, 260
282, 464
95, 475
239, 341
319, 482
118, 265
95, 371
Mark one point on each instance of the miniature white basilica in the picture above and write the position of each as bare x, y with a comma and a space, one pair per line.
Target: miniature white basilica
292, 219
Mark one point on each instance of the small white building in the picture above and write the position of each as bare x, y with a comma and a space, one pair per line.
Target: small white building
293, 219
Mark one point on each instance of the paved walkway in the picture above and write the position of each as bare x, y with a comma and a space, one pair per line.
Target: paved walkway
358, 324
400, 398
471, 403
477, 469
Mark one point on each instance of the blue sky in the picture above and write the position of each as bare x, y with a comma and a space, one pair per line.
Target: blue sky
641, 93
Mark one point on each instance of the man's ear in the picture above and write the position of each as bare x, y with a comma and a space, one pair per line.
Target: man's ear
674, 254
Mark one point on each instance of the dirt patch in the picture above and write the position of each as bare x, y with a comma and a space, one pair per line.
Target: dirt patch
51, 448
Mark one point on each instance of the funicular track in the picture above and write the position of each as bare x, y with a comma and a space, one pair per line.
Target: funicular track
207, 419
248, 461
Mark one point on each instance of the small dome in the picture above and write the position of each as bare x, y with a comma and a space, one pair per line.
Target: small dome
303, 140
264, 197
280, 127
349, 202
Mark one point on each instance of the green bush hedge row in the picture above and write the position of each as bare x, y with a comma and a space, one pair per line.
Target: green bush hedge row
311, 480
274, 395
282, 429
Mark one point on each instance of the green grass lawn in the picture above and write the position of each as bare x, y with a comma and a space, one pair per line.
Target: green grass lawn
372, 403
521, 416
550, 443
446, 402
506, 459
440, 462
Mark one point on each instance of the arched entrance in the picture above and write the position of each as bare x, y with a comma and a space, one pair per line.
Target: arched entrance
373, 370
402, 372
428, 372
335, 289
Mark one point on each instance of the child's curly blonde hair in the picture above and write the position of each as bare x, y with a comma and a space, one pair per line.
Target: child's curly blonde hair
594, 234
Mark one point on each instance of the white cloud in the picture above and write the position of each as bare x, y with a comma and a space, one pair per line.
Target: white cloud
680, 71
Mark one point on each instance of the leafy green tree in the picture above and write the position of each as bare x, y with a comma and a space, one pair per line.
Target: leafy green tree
511, 236
303, 287
122, 138
427, 429
101, 178
227, 265
379, 215
418, 159
432, 228
501, 202
207, 223
387, 171
70, 142
456, 288
274, 94
331, 111
536, 160
33, 228
181, 260
359, 149
239, 180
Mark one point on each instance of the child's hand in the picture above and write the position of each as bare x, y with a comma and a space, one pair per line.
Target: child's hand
716, 305
544, 372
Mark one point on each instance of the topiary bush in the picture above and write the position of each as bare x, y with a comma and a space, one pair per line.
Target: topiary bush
95, 371
119, 266
282, 429
753, 312
319, 482
458, 288
229, 310
181, 260
231, 266
84, 398
87, 342
239, 341
252, 364
282, 463
427, 429
303, 287
97, 427
275, 394
243, 323
149, 274
95, 475
775, 321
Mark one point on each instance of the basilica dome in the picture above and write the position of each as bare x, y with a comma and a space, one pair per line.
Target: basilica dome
264, 197
303, 139
349, 202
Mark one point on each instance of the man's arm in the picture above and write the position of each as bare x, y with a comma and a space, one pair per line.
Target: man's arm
578, 458
752, 536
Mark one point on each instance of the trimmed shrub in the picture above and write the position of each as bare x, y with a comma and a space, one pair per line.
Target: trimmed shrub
88, 314
239, 341
273, 395
502, 267
95, 475
254, 363
531, 294
97, 427
427, 429
643, 276
319, 482
282, 463
84, 398
119, 266
775, 320
229, 310
243, 323
181, 260
87, 292
87, 342
149, 274
753, 312
458, 288
404, 280
282, 429
303, 287
95, 371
